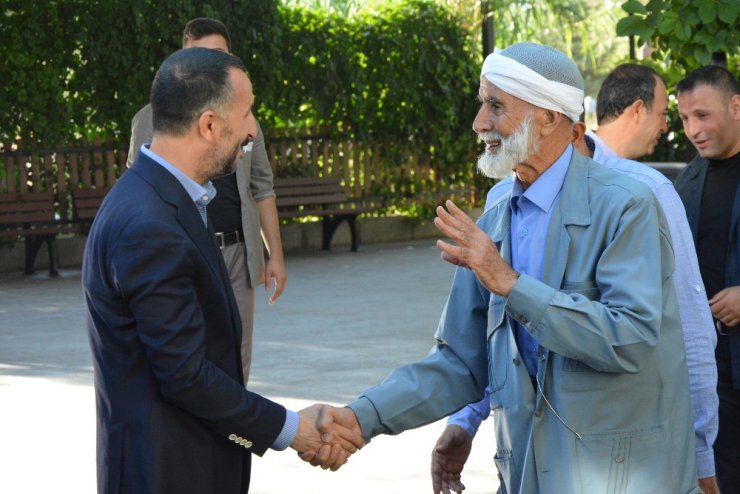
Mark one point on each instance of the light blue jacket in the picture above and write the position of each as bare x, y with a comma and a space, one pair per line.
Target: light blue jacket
615, 414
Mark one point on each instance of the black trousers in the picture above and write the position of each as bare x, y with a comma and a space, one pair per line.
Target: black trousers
727, 445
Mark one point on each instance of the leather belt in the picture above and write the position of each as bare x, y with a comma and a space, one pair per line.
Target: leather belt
229, 238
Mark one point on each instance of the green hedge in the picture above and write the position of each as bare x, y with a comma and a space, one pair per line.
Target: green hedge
405, 73
82, 68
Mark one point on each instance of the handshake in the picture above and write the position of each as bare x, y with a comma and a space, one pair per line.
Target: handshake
327, 436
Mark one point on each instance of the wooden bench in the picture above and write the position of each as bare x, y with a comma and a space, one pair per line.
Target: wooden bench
323, 197
85, 204
32, 215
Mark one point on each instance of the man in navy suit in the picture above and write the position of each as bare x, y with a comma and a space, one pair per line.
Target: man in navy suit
173, 415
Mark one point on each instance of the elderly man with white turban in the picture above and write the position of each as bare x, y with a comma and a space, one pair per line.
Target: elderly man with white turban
563, 302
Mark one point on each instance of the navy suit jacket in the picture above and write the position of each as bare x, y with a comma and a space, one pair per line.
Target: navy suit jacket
173, 415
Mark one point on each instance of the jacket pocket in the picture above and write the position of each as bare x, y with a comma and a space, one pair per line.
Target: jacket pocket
624, 463
506, 467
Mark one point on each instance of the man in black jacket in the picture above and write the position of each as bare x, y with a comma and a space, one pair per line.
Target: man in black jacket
709, 106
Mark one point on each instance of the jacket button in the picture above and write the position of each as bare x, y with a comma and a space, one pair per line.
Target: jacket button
247, 444
232, 437
537, 413
619, 459
516, 361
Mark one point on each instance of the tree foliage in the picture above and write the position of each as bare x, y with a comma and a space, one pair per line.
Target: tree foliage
82, 68
401, 71
687, 32
683, 35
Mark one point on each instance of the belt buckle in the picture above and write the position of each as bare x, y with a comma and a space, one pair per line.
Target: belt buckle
221, 240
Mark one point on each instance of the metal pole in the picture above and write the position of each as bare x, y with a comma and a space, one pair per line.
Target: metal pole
487, 30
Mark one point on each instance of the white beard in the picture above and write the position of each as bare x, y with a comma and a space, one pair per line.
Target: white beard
512, 150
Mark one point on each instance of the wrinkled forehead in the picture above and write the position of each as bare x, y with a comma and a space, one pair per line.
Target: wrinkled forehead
489, 92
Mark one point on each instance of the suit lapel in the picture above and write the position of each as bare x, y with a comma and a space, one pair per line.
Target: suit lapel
500, 232
697, 174
187, 215
572, 208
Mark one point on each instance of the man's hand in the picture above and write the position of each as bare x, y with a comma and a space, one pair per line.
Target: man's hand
448, 459
725, 306
275, 276
475, 250
339, 436
709, 485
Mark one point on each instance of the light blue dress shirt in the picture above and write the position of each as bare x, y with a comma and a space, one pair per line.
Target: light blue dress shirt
696, 320
201, 196
530, 214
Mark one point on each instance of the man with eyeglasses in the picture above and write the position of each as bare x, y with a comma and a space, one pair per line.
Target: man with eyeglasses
243, 212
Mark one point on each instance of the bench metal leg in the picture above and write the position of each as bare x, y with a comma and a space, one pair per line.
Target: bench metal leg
330, 225
352, 220
51, 244
33, 244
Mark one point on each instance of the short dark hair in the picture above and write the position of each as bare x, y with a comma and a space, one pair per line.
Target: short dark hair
623, 86
187, 83
200, 27
713, 75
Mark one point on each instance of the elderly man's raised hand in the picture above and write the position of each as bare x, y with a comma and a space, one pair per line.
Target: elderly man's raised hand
474, 250
332, 435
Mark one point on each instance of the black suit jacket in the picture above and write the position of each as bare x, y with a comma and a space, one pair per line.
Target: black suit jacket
690, 187
173, 415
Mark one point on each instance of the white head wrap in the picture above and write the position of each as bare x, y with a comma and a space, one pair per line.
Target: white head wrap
552, 82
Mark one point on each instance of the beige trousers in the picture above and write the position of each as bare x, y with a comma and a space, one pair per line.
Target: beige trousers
235, 259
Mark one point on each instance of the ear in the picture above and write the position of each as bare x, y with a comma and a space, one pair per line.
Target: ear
549, 121
636, 110
579, 130
208, 123
735, 107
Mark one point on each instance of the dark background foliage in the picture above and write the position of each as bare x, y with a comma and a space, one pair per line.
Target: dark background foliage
405, 72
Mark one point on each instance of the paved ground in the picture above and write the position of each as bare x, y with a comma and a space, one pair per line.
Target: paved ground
345, 320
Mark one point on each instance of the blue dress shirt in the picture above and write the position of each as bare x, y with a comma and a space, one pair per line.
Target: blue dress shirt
530, 215
200, 194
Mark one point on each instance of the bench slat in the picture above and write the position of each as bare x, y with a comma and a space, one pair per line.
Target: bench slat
323, 197
310, 200
310, 190
86, 203
305, 181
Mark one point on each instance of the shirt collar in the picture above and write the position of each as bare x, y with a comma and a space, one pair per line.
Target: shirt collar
202, 194
546, 188
602, 150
